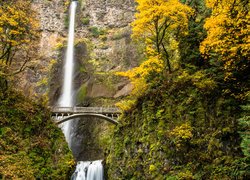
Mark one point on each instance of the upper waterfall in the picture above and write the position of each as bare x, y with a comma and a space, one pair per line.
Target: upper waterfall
66, 99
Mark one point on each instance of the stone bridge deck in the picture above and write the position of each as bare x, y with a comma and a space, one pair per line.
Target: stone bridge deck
57, 111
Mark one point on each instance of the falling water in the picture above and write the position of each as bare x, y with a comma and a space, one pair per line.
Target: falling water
84, 170
67, 92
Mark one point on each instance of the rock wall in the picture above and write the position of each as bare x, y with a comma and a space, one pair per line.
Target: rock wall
105, 23
52, 15
103, 28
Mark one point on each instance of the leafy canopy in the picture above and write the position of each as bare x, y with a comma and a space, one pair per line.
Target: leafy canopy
228, 36
156, 20
18, 28
140, 76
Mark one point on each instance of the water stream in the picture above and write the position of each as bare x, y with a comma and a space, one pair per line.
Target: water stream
84, 170
66, 99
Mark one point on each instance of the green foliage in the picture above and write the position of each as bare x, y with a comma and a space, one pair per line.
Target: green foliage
66, 21
96, 32
189, 45
85, 21
245, 130
82, 92
119, 33
31, 146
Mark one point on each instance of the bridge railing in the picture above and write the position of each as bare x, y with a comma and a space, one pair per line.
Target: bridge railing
101, 110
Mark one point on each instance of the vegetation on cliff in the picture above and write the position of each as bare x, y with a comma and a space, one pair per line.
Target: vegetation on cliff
31, 145
187, 122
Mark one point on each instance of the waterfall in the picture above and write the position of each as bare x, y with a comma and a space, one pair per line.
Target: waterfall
66, 99
84, 170
88, 171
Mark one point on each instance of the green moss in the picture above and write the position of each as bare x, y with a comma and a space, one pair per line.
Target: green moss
174, 133
120, 33
152, 168
81, 95
32, 147
96, 32
85, 21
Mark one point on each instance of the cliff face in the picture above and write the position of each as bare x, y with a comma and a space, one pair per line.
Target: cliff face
108, 13
103, 26
51, 14
103, 42
103, 46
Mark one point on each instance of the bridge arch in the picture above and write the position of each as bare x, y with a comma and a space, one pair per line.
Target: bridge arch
100, 116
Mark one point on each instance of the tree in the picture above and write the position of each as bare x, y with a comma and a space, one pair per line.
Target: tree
245, 130
18, 35
159, 20
189, 45
142, 75
227, 44
18, 30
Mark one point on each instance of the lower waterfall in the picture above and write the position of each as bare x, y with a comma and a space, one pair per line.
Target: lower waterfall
84, 170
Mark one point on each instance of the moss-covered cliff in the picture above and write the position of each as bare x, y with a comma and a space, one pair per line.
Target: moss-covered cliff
176, 131
31, 145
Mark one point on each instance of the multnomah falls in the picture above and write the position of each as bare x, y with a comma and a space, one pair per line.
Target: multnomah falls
84, 170
125, 89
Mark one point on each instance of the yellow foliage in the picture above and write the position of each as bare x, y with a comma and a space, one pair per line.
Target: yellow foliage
181, 133
198, 79
152, 168
125, 105
139, 75
16, 166
186, 175
170, 12
202, 82
18, 26
228, 34
157, 21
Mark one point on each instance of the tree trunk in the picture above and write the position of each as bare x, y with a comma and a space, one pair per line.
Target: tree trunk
167, 58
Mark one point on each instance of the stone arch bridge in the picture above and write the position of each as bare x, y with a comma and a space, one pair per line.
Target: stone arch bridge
63, 114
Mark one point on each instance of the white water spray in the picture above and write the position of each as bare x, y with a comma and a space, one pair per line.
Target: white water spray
88, 171
67, 92
95, 171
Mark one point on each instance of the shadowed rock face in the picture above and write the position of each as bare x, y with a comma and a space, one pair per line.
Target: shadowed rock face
88, 139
